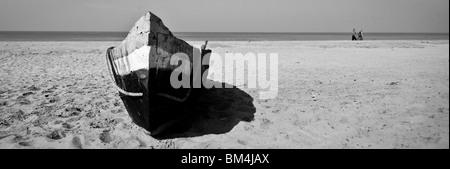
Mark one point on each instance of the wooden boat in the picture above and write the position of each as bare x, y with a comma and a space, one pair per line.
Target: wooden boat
140, 68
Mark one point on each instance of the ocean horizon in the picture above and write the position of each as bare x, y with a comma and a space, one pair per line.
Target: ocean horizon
216, 36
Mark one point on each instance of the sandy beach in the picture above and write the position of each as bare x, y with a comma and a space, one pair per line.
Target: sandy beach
332, 94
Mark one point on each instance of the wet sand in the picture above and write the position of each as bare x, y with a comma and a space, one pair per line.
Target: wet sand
337, 94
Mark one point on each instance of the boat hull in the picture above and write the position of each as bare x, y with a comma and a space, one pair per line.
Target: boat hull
141, 69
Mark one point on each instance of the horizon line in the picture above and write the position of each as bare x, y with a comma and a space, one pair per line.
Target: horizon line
222, 32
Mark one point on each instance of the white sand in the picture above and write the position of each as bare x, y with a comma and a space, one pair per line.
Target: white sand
370, 94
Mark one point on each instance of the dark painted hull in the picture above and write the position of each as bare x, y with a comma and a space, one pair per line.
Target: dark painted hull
154, 111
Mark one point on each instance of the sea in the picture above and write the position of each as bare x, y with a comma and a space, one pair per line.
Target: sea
216, 36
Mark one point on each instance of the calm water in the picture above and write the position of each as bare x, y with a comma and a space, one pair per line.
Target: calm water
190, 36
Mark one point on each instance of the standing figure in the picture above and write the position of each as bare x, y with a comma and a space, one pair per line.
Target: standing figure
354, 35
360, 35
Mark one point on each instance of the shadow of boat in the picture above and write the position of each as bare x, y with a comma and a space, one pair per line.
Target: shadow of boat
216, 111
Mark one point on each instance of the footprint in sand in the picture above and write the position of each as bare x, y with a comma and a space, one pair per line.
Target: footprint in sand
166, 145
105, 123
56, 135
104, 106
27, 94
117, 111
47, 91
66, 125
76, 142
97, 124
116, 103
4, 103
58, 122
70, 112
17, 115
92, 113
4, 123
248, 127
23, 101
33, 88
265, 123
105, 137
17, 138
26, 143
54, 99
242, 142
73, 119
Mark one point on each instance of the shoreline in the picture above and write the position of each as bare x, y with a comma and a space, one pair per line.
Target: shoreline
222, 36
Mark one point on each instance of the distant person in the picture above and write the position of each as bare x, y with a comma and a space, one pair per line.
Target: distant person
360, 35
354, 35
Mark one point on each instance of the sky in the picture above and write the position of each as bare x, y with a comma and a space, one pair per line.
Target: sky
228, 15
